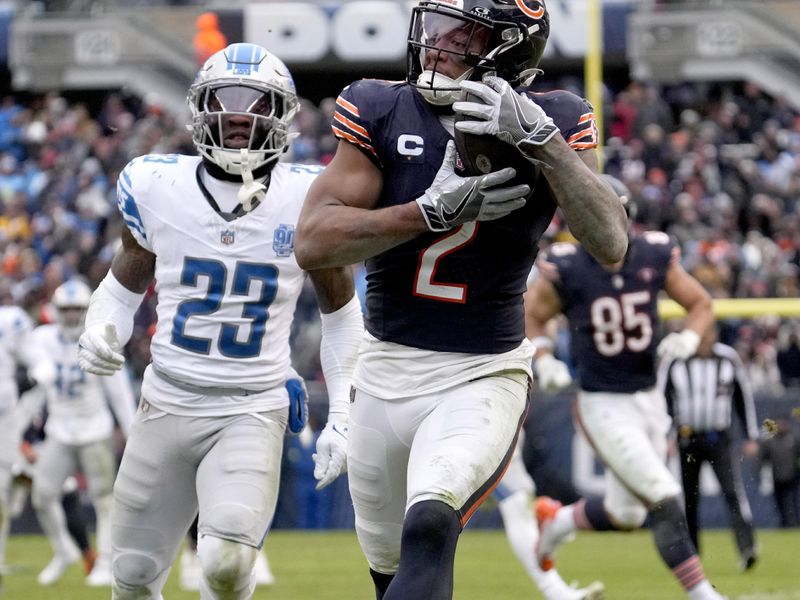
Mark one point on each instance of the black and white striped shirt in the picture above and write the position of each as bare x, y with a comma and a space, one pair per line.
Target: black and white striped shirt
701, 392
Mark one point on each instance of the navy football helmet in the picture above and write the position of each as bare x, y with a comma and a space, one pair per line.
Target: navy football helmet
506, 37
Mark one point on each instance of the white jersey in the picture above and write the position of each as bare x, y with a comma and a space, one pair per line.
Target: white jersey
227, 289
77, 402
15, 327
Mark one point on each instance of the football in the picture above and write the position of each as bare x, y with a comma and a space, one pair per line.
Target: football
481, 154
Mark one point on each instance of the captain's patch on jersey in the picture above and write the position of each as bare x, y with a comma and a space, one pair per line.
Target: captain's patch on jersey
227, 236
283, 240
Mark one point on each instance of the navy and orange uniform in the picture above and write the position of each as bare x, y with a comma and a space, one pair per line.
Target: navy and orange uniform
613, 315
462, 290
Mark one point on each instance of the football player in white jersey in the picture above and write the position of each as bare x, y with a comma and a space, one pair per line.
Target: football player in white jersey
15, 350
515, 498
79, 432
216, 231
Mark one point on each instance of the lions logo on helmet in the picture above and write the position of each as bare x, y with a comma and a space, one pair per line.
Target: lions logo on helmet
242, 102
71, 301
505, 37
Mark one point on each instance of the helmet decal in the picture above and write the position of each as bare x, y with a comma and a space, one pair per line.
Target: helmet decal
533, 13
242, 104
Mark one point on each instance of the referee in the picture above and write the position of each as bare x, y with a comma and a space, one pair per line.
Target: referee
701, 394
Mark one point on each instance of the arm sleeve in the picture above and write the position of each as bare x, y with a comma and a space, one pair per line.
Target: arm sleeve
113, 303
120, 397
342, 331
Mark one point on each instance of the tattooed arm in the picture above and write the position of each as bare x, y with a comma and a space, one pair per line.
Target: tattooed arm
109, 321
133, 266
593, 211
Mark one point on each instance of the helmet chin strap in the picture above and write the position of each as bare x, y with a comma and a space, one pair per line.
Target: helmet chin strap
433, 79
252, 192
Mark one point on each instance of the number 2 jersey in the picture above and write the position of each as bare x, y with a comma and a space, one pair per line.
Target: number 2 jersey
613, 316
227, 287
458, 292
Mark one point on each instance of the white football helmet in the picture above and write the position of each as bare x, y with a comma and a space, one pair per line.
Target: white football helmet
71, 301
242, 102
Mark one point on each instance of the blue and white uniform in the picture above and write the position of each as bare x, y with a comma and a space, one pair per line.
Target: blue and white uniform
210, 427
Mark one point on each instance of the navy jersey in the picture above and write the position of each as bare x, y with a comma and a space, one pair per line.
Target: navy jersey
612, 316
458, 291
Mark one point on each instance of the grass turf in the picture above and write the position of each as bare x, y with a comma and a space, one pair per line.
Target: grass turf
329, 566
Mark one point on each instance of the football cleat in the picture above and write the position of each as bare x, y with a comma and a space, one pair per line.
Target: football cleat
263, 573
89, 558
100, 575
554, 588
549, 540
748, 560
57, 566
190, 572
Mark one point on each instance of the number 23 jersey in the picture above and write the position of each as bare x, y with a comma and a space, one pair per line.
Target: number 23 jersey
612, 315
227, 289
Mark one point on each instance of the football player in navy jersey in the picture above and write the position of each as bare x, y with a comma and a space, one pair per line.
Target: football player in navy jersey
613, 325
441, 384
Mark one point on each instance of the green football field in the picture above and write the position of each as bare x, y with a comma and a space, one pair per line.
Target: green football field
329, 566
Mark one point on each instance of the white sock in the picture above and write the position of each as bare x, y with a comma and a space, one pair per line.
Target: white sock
54, 524
102, 510
564, 521
522, 531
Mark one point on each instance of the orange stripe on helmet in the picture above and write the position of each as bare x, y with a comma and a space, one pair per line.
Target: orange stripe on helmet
527, 10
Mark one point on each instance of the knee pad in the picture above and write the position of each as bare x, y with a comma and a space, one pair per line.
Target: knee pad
226, 565
628, 518
380, 543
132, 573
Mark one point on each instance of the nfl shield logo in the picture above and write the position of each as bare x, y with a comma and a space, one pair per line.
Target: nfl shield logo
226, 236
283, 240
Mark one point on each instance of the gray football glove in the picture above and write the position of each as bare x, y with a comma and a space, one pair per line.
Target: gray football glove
452, 200
506, 114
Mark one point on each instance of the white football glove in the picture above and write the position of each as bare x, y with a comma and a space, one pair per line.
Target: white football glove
99, 350
681, 345
552, 374
452, 200
330, 459
512, 117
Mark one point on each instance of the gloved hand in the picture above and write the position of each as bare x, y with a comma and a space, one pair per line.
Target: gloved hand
512, 117
99, 350
551, 373
330, 459
452, 200
681, 345
298, 403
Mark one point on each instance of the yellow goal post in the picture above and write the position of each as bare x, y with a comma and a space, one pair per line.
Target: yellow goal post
743, 308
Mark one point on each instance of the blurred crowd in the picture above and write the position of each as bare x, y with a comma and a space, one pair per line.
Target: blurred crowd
717, 167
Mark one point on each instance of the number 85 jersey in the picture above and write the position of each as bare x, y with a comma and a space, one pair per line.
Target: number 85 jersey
227, 286
613, 315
